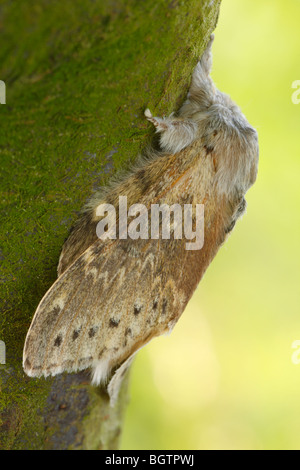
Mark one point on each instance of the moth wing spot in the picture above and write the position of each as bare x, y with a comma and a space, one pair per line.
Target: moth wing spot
137, 309
113, 323
58, 341
76, 334
164, 306
93, 331
209, 149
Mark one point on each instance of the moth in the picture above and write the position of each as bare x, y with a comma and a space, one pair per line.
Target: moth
113, 296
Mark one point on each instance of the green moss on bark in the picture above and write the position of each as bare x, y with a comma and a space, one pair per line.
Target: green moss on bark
78, 76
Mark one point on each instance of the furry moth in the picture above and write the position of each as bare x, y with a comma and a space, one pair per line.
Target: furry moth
113, 296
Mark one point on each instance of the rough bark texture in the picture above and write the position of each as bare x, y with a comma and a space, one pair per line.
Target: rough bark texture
78, 77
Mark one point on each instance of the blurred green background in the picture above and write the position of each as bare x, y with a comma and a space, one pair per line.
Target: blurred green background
224, 378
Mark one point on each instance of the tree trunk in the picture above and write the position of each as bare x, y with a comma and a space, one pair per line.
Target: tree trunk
78, 77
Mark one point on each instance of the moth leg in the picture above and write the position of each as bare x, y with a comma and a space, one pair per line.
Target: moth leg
175, 133
161, 124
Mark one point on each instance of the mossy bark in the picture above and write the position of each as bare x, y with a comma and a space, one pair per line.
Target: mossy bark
78, 77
